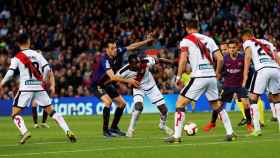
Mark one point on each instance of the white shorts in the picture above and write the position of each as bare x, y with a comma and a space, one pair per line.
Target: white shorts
266, 78
153, 94
197, 86
24, 98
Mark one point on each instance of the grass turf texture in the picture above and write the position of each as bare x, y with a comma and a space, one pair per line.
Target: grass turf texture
148, 140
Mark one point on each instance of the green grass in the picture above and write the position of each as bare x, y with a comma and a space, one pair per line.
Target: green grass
148, 141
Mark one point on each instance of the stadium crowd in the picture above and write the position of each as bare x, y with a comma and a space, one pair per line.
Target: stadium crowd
71, 33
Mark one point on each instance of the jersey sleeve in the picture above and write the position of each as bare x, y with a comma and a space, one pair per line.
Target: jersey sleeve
246, 44
213, 46
184, 47
105, 64
121, 50
14, 64
123, 72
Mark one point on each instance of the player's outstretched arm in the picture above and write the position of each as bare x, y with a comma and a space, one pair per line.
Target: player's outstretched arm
247, 61
116, 78
219, 63
139, 44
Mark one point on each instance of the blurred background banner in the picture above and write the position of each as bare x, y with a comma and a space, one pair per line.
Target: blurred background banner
92, 106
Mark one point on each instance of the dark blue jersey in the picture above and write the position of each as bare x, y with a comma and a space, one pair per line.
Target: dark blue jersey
103, 62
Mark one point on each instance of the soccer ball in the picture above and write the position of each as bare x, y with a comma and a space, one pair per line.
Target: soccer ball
190, 128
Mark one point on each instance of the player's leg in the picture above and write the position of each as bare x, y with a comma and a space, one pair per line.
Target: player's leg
274, 88
192, 91
261, 111
118, 99
242, 95
44, 120
100, 93
157, 99
21, 100
42, 98
240, 105
138, 99
257, 87
35, 115
272, 107
226, 96
213, 97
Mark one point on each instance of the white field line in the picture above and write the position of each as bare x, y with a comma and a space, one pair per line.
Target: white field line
105, 148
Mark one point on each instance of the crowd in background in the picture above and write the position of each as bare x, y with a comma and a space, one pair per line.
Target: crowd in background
71, 33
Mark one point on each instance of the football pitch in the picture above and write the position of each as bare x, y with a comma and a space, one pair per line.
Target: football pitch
147, 143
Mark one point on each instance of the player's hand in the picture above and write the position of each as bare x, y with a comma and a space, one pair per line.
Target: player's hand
133, 82
218, 76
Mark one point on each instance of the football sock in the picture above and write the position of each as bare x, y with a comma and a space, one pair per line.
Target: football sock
256, 116
19, 122
117, 117
134, 118
226, 121
60, 121
241, 108
248, 115
277, 107
179, 120
34, 115
214, 116
261, 110
45, 116
106, 118
273, 110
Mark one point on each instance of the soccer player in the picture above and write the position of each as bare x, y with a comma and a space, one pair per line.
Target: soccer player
199, 50
263, 55
34, 69
139, 69
51, 81
233, 77
104, 84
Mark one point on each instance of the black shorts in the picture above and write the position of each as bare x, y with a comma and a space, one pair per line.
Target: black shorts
228, 93
109, 89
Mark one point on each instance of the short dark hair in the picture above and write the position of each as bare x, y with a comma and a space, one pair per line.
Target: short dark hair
133, 58
193, 24
233, 41
23, 38
246, 31
109, 41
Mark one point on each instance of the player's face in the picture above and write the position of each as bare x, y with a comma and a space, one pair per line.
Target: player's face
232, 48
112, 49
224, 48
135, 64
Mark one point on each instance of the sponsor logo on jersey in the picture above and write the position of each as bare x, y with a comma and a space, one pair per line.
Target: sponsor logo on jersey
32, 82
205, 66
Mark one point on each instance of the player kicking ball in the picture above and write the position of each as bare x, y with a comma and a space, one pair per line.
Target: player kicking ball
139, 69
34, 70
199, 50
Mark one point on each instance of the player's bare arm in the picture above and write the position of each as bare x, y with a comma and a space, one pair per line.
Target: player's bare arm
116, 78
166, 61
182, 63
136, 45
52, 82
219, 61
247, 62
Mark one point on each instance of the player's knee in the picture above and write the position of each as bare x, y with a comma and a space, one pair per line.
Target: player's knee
138, 106
163, 109
107, 103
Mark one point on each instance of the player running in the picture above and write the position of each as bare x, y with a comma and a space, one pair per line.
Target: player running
267, 74
199, 50
233, 77
139, 69
104, 84
34, 69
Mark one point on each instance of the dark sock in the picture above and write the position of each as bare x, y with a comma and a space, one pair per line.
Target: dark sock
34, 115
45, 116
106, 118
248, 116
214, 116
118, 115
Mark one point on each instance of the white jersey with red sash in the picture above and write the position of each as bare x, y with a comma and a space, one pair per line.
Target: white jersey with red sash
262, 53
201, 49
31, 66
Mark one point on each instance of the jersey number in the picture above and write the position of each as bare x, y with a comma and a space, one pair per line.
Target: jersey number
36, 65
260, 52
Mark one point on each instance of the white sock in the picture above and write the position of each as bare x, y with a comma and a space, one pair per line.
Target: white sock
277, 108
179, 120
19, 122
61, 122
273, 110
226, 121
134, 118
255, 116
